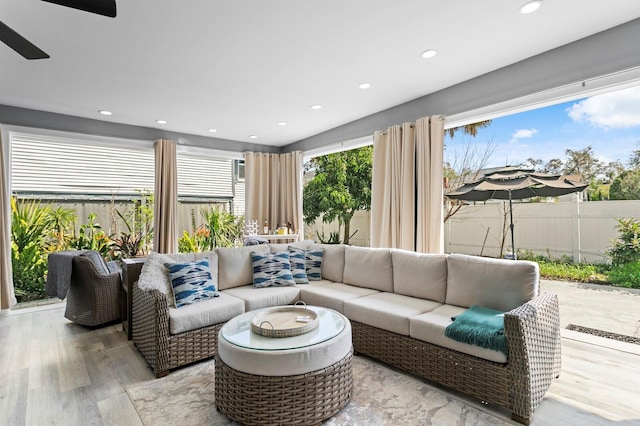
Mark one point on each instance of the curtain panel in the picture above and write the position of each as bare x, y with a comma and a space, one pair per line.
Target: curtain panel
406, 189
273, 189
7, 294
165, 236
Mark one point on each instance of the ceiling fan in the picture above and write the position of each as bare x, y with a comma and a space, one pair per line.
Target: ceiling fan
29, 50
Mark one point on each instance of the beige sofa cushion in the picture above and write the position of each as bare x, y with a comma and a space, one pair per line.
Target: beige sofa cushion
492, 283
388, 311
332, 261
206, 312
234, 265
420, 274
331, 295
429, 327
279, 248
266, 297
368, 267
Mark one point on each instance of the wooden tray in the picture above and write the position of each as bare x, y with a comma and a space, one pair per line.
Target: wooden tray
284, 321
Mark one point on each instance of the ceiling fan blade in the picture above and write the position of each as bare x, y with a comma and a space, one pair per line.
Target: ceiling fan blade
20, 44
100, 7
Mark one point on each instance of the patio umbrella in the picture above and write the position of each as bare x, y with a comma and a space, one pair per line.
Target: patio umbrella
516, 183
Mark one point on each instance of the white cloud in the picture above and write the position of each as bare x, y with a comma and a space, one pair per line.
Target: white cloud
524, 133
614, 110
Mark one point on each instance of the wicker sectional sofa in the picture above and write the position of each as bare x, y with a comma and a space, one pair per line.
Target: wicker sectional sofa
399, 304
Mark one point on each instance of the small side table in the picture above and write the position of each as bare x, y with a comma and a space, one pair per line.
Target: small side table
130, 272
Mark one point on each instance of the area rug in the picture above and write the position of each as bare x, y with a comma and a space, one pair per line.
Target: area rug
381, 396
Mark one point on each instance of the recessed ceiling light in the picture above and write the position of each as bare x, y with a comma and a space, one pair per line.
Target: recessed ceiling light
531, 6
316, 106
161, 121
105, 112
428, 53
364, 85
253, 137
213, 130
282, 123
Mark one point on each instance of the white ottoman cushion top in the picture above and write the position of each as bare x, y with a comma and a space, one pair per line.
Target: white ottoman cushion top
288, 362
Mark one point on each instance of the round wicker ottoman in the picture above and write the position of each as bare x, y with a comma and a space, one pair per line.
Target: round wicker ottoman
300, 380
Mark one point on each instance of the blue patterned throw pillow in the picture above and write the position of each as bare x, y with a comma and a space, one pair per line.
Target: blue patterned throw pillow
191, 282
271, 269
313, 261
298, 268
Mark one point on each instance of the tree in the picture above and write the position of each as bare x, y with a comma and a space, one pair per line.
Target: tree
340, 187
626, 186
612, 170
554, 166
465, 167
634, 160
469, 129
534, 163
583, 161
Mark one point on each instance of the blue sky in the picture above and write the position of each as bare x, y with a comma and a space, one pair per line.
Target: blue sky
609, 123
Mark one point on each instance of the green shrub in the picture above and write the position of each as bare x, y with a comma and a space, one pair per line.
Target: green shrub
626, 249
564, 268
627, 275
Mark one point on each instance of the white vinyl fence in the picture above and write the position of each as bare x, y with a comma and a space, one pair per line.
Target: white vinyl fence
580, 230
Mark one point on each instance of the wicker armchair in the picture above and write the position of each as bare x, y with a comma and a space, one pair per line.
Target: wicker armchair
94, 294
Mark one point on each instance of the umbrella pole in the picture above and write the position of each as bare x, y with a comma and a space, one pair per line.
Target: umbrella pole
513, 244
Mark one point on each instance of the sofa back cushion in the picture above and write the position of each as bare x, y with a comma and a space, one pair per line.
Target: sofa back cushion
368, 267
278, 248
491, 283
234, 265
420, 274
332, 261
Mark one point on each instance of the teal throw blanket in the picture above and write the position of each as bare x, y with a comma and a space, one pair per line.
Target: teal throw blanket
481, 327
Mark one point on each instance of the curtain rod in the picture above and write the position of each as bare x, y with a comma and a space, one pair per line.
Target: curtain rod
412, 125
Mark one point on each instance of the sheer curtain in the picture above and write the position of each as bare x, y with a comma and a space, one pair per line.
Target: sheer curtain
406, 190
273, 189
165, 237
7, 295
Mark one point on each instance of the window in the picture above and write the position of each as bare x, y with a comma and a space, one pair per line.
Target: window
238, 167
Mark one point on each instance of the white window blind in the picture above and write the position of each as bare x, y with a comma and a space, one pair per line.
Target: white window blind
59, 165
202, 176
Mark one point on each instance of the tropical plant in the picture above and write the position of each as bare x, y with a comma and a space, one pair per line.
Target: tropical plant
61, 221
220, 229
626, 249
30, 223
340, 187
91, 237
128, 244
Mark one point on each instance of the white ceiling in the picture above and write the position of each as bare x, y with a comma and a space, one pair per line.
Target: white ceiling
242, 66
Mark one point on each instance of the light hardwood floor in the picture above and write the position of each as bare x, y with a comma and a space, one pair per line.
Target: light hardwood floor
55, 372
